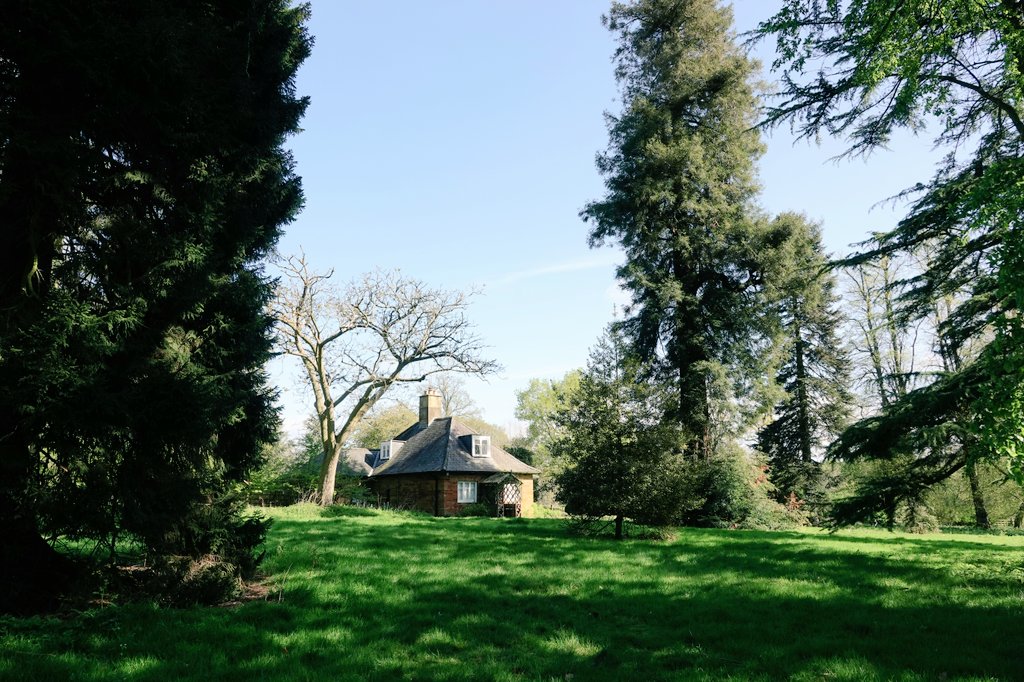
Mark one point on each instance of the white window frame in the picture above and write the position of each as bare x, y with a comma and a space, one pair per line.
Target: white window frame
481, 446
389, 448
466, 492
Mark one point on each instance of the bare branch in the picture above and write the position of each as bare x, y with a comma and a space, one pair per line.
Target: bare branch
357, 342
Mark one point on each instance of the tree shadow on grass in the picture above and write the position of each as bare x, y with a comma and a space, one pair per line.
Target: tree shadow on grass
450, 601
928, 544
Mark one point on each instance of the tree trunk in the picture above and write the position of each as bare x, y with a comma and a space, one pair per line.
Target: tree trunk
335, 441
618, 527
694, 403
890, 512
898, 373
328, 474
328, 461
803, 407
977, 496
870, 330
33, 575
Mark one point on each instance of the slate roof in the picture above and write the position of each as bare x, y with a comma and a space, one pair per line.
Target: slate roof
443, 446
357, 462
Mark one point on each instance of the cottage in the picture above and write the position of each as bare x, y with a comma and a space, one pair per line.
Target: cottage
439, 466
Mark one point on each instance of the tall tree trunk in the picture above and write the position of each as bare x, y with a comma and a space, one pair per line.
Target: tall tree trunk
33, 575
618, 527
870, 331
898, 372
328, 475
977, 496
334, 441
331, 451
890, 511
951, 362
803, 408
694, 399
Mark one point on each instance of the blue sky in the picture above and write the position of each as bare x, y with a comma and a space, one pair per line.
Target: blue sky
455, 140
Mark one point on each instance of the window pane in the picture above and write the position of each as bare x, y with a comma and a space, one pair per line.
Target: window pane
466, 492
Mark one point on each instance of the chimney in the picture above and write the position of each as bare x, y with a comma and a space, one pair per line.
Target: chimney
430, 407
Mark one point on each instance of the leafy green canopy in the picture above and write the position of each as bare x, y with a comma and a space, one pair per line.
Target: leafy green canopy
142, 178
680, 184
958, 65
539, 403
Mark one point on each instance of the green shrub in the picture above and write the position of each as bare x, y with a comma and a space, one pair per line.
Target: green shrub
181, 581
350, 490
475, 509
767, 514
276, 489
730, 490
640, 532
220, 528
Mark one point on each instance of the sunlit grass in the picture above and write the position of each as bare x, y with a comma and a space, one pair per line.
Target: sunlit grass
357, 594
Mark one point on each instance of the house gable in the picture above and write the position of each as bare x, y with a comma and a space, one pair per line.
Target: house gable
439, 466
446, 446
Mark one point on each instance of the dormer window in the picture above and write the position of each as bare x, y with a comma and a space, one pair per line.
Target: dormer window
481, 446
390, 447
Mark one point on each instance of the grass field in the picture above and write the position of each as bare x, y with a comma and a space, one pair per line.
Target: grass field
357, 594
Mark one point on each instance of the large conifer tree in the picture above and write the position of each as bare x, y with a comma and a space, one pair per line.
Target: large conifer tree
680, 179
142, 178
955, 66
815, 366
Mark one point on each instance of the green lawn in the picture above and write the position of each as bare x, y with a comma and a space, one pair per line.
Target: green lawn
358, 595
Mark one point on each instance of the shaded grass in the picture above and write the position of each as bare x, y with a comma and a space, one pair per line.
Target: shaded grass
358, 594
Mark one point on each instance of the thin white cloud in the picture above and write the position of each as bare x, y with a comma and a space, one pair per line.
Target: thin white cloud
602, 261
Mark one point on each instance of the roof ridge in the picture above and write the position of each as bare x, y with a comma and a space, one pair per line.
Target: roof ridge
441, 448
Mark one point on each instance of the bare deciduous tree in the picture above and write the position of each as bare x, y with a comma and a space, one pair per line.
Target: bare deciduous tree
379, 331
885, 343
455, 399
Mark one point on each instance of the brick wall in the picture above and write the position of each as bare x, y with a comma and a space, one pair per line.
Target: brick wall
527, 491
415, 491
433, 493
451, 492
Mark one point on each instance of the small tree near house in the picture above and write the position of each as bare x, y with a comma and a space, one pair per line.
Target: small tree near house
621, 457
356, 343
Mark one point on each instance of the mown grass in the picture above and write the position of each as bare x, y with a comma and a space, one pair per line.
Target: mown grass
358, 594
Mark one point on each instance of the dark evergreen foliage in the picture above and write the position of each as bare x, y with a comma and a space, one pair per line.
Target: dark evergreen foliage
680, 179
921, 440
731, 491
621, 456
814, 370
142, 179
957, 64
523, 454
